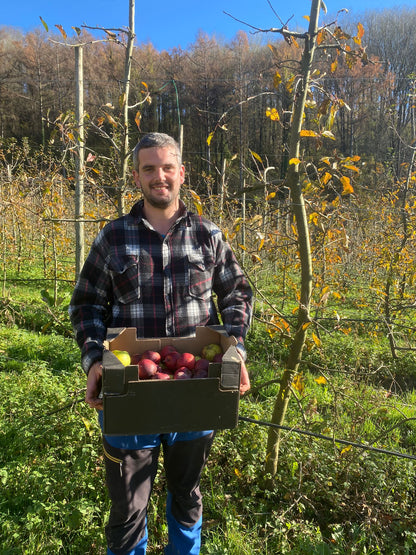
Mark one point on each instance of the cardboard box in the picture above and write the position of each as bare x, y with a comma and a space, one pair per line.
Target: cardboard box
133, 406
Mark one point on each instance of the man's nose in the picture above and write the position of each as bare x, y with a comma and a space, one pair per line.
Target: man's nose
160, 174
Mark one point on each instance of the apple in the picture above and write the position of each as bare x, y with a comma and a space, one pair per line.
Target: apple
201, 364
147, 368
218, 357
170, 361
209, 351
166, 350
123, 357
201, 368
182, 373
161, 376
186, 359
135, 358
200, 373
152, 355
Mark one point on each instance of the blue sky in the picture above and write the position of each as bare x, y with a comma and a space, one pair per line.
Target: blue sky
168, 23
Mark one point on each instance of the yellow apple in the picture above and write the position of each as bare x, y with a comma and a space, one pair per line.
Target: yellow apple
209, 351
123, 357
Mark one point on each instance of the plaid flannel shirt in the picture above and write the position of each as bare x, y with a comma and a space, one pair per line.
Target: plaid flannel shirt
163, 286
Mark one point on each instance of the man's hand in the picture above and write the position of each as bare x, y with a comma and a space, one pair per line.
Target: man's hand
244, 379
94, 381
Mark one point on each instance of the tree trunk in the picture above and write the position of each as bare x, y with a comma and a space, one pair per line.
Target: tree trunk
79, 161
125, 148
299, 211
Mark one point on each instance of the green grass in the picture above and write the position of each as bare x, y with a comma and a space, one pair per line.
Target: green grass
327, 498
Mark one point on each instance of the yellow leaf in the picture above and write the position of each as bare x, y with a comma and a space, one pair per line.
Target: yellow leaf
314, 218
122, 99
321, 380
277, 79
316, 340
306, 17
270, 195
273, 114
197, 202
256, 156
346, 449
88, 425
61, 29
346, 184
308, 133
138, 119
352, 168
306, 325
320, 37
281, 324
294, 161
237, 472
111, 120
273, 49
298, 383
334, 65
210, 137
294, 230
325, 178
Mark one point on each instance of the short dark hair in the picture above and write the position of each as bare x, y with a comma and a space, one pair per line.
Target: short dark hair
158, 140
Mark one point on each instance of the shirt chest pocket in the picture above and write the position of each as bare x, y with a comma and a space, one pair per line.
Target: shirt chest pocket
200, 275
124, 271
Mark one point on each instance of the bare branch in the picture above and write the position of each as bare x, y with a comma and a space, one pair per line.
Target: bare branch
282, 30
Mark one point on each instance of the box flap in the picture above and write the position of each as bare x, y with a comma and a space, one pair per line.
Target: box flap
230, 369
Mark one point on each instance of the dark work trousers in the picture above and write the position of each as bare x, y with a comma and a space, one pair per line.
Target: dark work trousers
130, 474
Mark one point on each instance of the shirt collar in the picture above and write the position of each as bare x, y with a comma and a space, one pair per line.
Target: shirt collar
137, 211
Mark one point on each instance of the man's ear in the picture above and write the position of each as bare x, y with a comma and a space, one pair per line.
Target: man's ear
136, 179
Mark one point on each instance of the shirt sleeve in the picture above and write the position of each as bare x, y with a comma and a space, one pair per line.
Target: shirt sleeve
233, 292
90, 305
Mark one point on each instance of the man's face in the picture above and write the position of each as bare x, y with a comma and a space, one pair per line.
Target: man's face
160, 176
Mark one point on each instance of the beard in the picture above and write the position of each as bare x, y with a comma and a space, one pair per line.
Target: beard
158, 201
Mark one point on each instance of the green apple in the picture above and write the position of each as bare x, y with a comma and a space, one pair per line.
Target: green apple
123, 357
209, 351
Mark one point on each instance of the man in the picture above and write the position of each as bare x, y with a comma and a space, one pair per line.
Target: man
156, 269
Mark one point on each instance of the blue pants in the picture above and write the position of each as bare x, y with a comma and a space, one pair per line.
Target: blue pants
130, 474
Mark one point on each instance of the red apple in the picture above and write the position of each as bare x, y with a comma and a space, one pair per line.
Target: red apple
152, 355
166, 350
200, 373
147, 368
135, 359
161, 376
186, 359
182, 373
201, 364
170, 361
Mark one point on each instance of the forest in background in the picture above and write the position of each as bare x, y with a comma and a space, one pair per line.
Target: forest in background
218, 88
